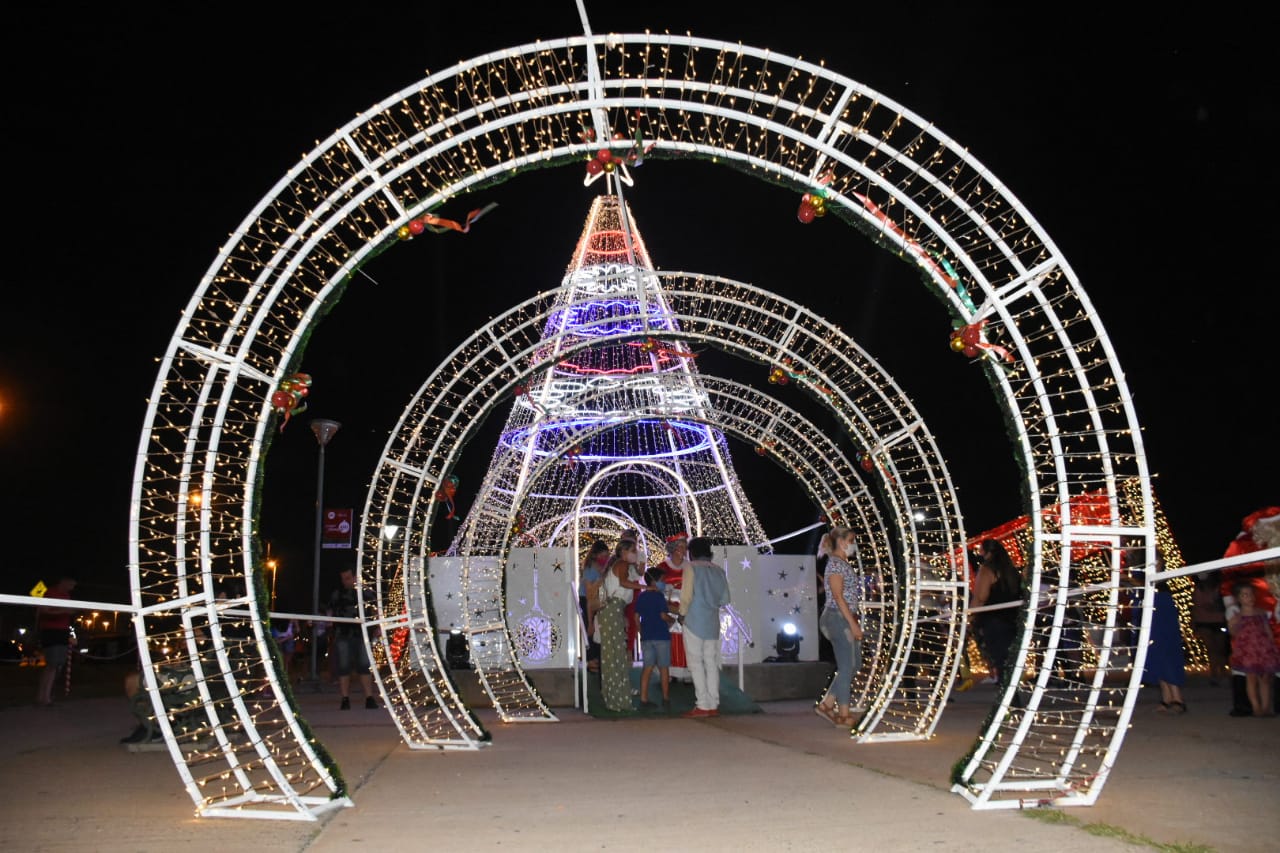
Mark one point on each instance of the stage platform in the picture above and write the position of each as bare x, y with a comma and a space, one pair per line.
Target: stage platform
762, 682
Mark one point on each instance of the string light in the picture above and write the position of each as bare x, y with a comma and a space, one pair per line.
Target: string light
789, 122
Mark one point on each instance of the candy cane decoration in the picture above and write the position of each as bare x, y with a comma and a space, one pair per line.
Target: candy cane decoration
911, 243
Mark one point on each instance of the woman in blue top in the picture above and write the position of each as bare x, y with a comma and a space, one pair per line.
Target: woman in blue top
840, 624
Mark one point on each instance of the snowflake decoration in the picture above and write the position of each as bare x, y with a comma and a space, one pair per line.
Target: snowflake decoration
537, 638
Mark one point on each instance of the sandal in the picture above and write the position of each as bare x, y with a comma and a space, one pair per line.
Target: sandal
845, 721
826, 712
1163, 708
1177, 708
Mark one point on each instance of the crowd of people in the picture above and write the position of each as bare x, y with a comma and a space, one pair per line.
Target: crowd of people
670, 615
1234, 615
670, 612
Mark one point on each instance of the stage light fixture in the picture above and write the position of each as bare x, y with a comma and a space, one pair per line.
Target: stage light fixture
456, 654
788, 643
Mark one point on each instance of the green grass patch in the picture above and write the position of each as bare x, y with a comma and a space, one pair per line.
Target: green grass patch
1106, 830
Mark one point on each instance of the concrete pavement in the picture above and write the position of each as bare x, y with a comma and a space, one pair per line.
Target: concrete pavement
782, 779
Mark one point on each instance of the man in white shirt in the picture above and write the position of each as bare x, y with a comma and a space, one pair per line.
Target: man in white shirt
705, 590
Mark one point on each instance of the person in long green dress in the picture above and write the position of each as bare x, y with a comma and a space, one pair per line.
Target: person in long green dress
615, 668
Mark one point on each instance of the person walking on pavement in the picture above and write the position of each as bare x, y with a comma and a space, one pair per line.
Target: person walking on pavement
348, 645
704, 591
55, 638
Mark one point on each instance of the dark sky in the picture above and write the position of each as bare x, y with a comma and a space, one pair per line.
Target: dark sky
136, 143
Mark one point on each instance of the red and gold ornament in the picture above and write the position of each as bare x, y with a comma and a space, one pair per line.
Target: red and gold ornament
287, 400
968, 339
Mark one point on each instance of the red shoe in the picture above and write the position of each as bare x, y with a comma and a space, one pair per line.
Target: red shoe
699, 712
714, 712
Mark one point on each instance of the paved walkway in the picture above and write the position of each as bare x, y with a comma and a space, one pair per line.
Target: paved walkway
778, 780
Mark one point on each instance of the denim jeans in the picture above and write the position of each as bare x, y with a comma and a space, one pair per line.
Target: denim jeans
848, 652
349, 654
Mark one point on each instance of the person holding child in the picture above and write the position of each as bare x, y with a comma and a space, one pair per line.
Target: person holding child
654, 615
619, 587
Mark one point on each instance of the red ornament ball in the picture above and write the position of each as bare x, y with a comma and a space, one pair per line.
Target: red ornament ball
806, 212
417, 226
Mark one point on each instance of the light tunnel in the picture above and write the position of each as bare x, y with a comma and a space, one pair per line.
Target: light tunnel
879, 167
708, 310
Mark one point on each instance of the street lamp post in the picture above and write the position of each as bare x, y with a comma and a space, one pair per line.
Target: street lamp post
272, 566
324, 430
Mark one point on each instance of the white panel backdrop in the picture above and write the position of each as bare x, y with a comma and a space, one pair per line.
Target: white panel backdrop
766, 590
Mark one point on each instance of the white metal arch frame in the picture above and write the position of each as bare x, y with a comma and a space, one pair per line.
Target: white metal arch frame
481, 375
882, 168
792, 441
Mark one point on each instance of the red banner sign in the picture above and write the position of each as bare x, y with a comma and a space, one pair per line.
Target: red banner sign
335, 531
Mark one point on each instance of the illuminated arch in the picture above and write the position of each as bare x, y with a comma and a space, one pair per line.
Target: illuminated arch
480, 377
879, 166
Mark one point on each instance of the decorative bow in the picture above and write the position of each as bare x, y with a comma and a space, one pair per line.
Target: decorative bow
785, 372
969, 340
287, 400
438, 224
653, 345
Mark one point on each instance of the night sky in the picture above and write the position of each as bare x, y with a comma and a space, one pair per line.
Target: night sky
136, 144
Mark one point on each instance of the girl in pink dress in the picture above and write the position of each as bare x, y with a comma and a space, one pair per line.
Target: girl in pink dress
1253, 649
